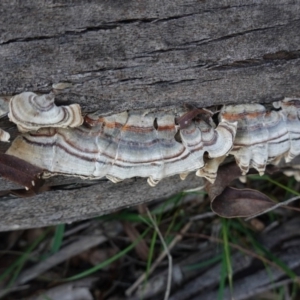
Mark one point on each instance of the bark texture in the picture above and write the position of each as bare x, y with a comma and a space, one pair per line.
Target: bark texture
121, 55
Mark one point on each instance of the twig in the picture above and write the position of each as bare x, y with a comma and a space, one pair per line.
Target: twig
78, 228
177, 238
17, 288
206, 215
82, 244
166, 250
238, 247
274, 207
186, 198
197, 189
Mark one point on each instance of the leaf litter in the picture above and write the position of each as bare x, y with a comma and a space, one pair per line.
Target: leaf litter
106, 258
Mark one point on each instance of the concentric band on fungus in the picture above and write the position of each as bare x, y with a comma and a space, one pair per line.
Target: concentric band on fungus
150, 144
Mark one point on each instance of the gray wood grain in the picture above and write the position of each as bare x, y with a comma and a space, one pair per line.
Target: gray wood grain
83, 202
122, 55
128, 55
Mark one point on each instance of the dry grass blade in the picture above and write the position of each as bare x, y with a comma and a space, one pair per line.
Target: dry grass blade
75, 290
203, 216
261, 280
177, 238
141, 248
168, 287
184, 270
65, 253
210, 278
238, 247
281, 204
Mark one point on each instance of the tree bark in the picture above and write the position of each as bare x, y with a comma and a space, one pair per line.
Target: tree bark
121, 55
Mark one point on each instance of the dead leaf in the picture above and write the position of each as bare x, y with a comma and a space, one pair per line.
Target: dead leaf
185, 120
141, 248
78, 290
232, 203
226, 174
229, 202
37, 189
32, 234
257, 225
20, 171
271, 169
95, 256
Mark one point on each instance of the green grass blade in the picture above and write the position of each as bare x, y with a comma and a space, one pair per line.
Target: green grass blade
265, 251
222, 277
204, 264
284, 187
276, 260
15, 268
225, 232
58, 238
175, 199
265, 177
123, 216
151, 252
108, 261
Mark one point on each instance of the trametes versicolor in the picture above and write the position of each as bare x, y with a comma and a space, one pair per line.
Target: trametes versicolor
148, 143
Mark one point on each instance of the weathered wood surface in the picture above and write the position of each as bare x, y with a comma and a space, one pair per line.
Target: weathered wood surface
130, 54
82, 202
122, 55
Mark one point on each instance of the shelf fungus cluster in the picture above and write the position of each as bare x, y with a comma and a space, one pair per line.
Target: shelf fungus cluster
152, 144
32, 112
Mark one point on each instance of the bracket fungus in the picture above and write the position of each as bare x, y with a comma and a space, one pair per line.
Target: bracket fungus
153, 144
126, 145
31, 112
263, 136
